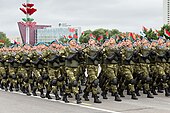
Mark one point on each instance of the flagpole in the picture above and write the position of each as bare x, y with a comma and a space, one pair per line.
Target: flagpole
27, 26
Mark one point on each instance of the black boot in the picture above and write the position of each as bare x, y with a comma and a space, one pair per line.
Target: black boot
134, 96
166, 92
69, 95
22, 88
2, 86
27, 92
144, 91
65, 98
128, 92
153, 91
11, 88
104, 94
149, 95
117, 98
96, 99
34, 92
137, 92
78, 99
16, 88
42, 93
80, 90
121, 93
160, 90
6, 87
85, 96
48, 95
57, 96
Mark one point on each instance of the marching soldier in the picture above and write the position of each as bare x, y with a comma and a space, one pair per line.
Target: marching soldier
93, 59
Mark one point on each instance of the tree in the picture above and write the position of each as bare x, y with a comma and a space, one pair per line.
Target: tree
85, 36
4, 39
98, 33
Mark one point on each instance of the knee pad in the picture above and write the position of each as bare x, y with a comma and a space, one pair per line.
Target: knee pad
14, 76
26, 80
4, 76
164, 78
133, 81
61, 78
40, 79
114, 81
95, 83
54, 82
75, 83
45, 76
148, 79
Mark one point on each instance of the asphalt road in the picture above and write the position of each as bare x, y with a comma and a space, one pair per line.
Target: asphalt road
16, 102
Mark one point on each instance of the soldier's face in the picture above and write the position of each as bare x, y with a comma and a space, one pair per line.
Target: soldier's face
91, 41
73, 43
112, 41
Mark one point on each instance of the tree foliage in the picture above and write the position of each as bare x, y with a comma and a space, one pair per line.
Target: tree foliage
4, 40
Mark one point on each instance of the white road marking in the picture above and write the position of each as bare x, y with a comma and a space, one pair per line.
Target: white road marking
83, 105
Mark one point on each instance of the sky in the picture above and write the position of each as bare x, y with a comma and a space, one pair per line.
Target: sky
124, 15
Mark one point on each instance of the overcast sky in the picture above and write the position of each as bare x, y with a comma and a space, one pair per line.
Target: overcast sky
125, 15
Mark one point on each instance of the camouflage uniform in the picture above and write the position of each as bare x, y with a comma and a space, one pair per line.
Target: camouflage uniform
109, 80
93, 59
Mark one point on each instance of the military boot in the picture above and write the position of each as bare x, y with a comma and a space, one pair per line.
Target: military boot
134, 96
48, 95
153, 91
149, 95
121, 93
117, 98
69, 95
160, 90
27, 92
144, 90
6, 87
96, 99
11, 88
34, 92
80, 90
85, 96
2, 86
57, 96
16, 88
167, 92
137, 92
104, 94
78, 99
41, 93
65, 98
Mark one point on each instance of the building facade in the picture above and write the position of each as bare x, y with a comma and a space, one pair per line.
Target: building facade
50, 34
166, 11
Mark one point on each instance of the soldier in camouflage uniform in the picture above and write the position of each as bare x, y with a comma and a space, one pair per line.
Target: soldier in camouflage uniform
161, 77
143, 68
127, 69
71, 66
93, 59
110, 61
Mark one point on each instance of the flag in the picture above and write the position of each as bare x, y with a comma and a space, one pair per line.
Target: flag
91, 35
100, 38
75, 36
82, 33
107, 33
71, 30
132, 36
145, 29
167, 33
70, 36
